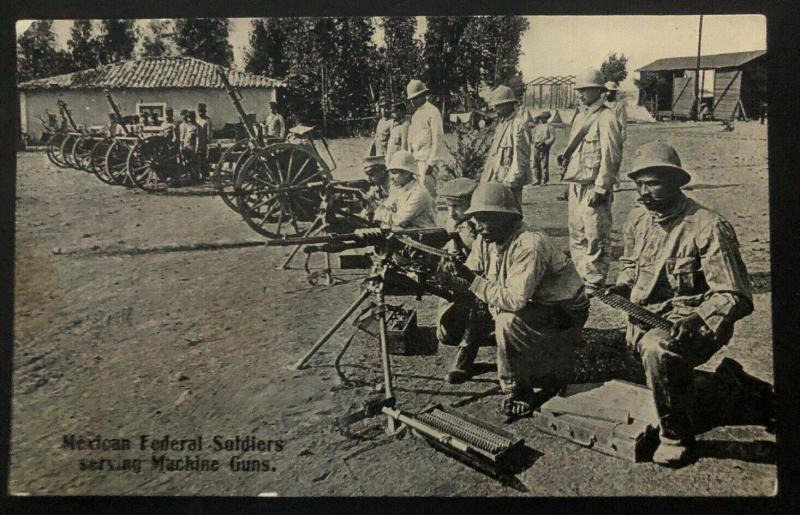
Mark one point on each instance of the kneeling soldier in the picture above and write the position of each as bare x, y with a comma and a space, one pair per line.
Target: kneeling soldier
681, 261
409, 205
533, 292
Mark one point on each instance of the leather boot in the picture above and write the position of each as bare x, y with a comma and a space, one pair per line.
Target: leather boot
461, 369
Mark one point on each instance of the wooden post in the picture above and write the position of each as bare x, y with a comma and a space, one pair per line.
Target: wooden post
697, 73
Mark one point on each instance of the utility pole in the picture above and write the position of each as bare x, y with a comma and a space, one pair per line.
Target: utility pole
697, 73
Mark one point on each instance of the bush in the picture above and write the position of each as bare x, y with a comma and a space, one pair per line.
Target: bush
469, 152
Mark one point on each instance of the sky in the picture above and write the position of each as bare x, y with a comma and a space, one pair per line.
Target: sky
564, 45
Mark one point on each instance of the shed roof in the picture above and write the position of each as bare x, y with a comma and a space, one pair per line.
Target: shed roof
729, 60
151, 72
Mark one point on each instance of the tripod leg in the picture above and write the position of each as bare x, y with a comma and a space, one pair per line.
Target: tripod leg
387, 367
313, 229
332, 329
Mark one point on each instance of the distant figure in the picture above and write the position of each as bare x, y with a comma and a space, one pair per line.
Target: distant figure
169, 128
426, 133
275, 124
543, 139
205, 133
398, 135
382, 130
189, 143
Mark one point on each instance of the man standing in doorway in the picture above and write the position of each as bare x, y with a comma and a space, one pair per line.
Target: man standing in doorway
426, 133
592, 156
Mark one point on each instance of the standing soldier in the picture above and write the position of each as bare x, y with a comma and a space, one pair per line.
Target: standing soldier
276, 126
592, 157
398, 136
205, 133
426, 133
508, 160
189, 143
168, 127
543, 138
681, 261
617, 106
409, 204
517, 85
382, 130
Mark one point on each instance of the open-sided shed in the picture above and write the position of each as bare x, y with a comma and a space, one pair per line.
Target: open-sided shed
738, 83
553, 92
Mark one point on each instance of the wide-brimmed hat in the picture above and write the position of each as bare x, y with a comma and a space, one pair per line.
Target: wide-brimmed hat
415, 88
589, 78
612, 86
403, 160
502, 95
659, 157
493, 197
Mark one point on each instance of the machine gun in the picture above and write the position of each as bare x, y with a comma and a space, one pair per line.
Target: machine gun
236, 98
117, 112
66, 114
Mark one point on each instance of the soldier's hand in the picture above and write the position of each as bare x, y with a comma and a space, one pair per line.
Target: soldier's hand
456, 268
688, 328
451, 282
597, 199
623, 290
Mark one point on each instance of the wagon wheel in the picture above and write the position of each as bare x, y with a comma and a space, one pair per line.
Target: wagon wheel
153, 163
66, 150
98, 160
117, 162
82, 152
285, 213
228, 167
54, 150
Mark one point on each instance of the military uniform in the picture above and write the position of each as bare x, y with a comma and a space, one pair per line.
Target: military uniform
382, 132
508, 159
205, 134
276, 127
189, 136
425, 136
543, 139
592, 168
398, 138
410, 205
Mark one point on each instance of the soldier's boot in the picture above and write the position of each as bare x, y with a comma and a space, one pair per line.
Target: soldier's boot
673, 453
461, 369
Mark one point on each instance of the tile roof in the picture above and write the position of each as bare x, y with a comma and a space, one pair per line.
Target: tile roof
714, 61
151, 72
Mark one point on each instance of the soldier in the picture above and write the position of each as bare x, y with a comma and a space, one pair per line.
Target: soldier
617, 105
382, 130
275, 125
517, 85
543, 138
188, 135
169, 128
378, 177
409, 204
532, 291
205, 133
453, 318
398, 136
682, 261
508, 160
593, 156
425, 134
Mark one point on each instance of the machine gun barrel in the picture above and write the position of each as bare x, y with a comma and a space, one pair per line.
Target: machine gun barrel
67, 114
236, 99
365, 236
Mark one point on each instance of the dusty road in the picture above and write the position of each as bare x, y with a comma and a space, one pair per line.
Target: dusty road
199, 343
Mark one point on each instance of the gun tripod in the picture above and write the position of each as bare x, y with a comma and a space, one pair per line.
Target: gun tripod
374, 286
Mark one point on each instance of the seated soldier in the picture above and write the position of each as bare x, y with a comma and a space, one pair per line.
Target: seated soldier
533, 292
682, 262
409, 205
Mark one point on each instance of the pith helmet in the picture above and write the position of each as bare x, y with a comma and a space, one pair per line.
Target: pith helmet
459, 189
493, 197
657, 156
403, 160
612, 86
502, 95
415, 88
589, 78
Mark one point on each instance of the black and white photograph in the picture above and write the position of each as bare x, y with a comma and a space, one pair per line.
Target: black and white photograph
407, 256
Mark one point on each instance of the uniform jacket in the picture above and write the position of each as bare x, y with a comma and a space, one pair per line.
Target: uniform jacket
398, 138
618, 107
409, 206
543, 134
426, 135
598, 157
189, 135
526, 268
686, 261
204, 132
508, 160
382, 131
276, 127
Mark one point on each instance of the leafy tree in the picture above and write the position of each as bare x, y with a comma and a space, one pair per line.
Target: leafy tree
155, 41
402, 57
267, 52
495, 43
84, 45
649, 84
37, 55
118, 39
614, 68
444, 57
204, 38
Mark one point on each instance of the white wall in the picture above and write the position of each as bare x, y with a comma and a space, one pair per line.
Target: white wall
90, 107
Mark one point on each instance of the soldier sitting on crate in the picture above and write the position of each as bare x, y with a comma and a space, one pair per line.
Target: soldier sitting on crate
409, 205
682, 262
533, 292
189, 144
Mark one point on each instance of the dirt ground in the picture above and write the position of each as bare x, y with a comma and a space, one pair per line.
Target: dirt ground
200, 343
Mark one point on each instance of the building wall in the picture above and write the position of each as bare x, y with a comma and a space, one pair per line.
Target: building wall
90, 107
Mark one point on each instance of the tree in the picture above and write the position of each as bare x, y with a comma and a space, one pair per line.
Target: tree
494, 43
155, 40
649, 84
443, 56
267, 52
615, 68
84, 45
117, 40
37, 55
402, 58
204, 38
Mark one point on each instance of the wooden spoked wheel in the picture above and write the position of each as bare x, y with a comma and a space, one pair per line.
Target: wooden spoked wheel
117, 161
54, 150
98, 159
228, 168
153, 164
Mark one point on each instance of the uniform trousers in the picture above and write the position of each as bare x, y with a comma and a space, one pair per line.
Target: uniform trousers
589, 234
